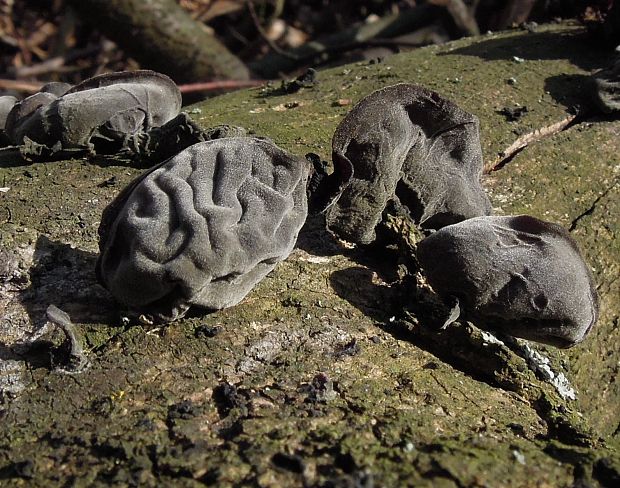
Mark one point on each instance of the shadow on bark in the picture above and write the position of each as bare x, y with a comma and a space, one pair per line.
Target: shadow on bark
566, 89
65, 276
539, 46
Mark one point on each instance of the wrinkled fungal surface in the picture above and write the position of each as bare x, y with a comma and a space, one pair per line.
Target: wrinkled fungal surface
203, 227
57, 88
108, 112
405, 142
520, 275
7, 102
605, 88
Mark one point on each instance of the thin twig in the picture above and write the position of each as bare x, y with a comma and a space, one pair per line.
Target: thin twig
264, 35
525, 140
56, 64
35, 86
22, 86
210, 11
461, 14
390, 26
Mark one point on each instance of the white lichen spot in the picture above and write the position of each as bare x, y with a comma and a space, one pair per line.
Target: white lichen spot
11, 378
519, 457
489, 338
315, 259
540, 364
409, 447
562, 385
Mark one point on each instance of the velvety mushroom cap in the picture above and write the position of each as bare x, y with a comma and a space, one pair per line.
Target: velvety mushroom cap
7, 102
161, 97
520, 275
57, 88
405, 142
24, 111
202, 228
112, 106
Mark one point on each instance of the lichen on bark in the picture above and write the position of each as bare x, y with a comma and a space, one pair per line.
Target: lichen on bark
328, 372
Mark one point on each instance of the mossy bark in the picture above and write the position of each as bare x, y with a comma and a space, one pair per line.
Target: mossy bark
330, 372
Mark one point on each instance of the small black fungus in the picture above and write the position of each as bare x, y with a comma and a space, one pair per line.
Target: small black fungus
403, 142
203, 227
513, 114
161, 143
183, 410
111, 111
519, 275
305, 80
204, 331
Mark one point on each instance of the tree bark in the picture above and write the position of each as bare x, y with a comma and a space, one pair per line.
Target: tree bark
161, 36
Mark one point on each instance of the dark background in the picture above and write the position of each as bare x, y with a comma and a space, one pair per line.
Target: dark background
70, 40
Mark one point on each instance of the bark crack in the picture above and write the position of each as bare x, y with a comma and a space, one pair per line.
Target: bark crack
590, 210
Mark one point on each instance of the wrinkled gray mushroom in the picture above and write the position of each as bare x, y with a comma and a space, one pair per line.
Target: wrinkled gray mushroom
519, 275
203, 227
7, 102
57, 88
113, 110
605, 88
409, 142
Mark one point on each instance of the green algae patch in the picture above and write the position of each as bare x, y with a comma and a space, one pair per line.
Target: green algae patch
549, 67
573, 178
330, 372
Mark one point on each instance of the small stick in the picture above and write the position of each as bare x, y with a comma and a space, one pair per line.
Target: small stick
57, 64
23, 86
264, 35
525, 140
77, 359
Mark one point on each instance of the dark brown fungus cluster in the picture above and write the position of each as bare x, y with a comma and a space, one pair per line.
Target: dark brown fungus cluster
203, 227
208, 223
105, 113
407, 143
519, 275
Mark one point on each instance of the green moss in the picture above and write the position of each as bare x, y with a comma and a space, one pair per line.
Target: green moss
318, 376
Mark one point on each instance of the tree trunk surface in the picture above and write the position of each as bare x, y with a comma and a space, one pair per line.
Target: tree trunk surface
328, 373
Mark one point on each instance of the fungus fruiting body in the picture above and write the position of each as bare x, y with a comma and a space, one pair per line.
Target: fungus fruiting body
7, 102
403, 142
517, 274
203, 227
111, 110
